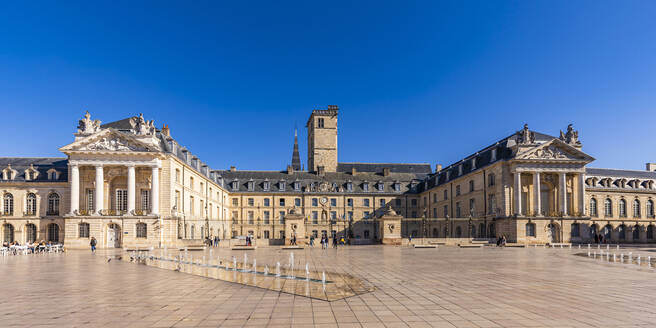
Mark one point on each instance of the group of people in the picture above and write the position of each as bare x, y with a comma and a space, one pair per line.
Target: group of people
33, 247
501, 241
212, 241
600, 239
324, 241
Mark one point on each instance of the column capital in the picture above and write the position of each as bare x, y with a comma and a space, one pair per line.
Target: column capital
98, 166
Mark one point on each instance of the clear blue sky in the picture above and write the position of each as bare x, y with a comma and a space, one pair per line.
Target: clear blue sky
415, 81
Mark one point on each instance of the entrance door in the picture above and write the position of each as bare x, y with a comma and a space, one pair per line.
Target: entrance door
553, 233
113, 236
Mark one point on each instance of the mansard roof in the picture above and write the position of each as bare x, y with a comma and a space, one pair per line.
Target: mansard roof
414, 168
41, 164
306, 179
620, 173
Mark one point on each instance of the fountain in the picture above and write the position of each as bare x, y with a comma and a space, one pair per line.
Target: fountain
588, 246
266, 270
588, 253
234, 263
277, 269
638, 259
614, 257
323, 277
210, 253
630, 257
307, 271
618, 246
598, 246
245, 265
203, 263
649, 261
291, 264
621, 257
607, 247
254, 265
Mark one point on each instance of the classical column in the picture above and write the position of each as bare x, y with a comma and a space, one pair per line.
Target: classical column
75, 188
100, 188
562, 182
536, 194
131, 188
582, 194
154, 192
518, 193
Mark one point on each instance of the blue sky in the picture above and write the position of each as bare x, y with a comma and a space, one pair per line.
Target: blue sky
415, 81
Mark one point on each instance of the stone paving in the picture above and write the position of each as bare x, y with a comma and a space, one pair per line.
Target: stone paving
444, 287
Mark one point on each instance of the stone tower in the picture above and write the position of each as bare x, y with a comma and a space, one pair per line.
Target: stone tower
322, 139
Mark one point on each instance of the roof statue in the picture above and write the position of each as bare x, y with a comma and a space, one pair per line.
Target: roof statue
87, 125
571, 137
526, 137
144, 127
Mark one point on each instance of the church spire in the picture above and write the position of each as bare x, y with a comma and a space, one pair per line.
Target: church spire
296, 158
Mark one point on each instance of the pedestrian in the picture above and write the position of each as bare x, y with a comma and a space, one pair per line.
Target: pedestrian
334, 241
93, 243
312, 241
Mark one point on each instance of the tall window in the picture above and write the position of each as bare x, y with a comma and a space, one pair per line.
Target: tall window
282, 202
446, 211
251, 217
30, 229
8, 235
608, 207
177, 200
382, 203
491, 204
365, 187
53, 204
145, 199
575, 230
121, 200
622, 208
458, 190
593, 207
446, 195
458, 209
177, 175
266, 234
622, 232
282, 217
315, 202
191, 205
315, 217
320, 123
349, 202
365, 202
31, 204
267, 202
471, 185
267, 217
83, 230
191, 183
650, 208
142, 230
472, 207
636, 208
530, 230
297, 202
490, 180
90, 202
8, 206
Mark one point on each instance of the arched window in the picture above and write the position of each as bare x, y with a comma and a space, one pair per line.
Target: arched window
576, 231
622, 208
636, 232
7, 233
458, 232
650, 232
8, 204
83, 230
608, 207
593, 230
30, 232
593, 207
142, 230
636, 208
53, 204
608, 229
650, 208
30, 207
530, 229
621, 231
53, 232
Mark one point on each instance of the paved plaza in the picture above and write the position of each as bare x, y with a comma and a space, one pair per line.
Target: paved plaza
444, 287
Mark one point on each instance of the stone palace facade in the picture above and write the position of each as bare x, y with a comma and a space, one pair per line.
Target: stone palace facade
129, 184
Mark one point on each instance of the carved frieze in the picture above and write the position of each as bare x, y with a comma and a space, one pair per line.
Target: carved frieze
113, 144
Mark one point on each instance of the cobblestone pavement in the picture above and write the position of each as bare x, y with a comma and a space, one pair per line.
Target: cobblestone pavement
445, 287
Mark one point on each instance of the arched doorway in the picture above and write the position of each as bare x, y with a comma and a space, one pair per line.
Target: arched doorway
7, 233
608, 229
30, 233
435, 234
53, 233
492, 231
553, 233
113, 236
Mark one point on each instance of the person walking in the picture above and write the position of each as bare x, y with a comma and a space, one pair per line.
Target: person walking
93, 243
334, 241
312, 241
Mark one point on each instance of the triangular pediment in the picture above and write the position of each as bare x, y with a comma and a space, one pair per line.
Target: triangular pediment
554, 150
108, 140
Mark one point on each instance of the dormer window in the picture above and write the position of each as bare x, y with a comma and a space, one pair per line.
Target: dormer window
397, 186
297, 185
365, 186
251, 186
31, 173
282, 185
381, 186
8, 173
349, 186
265, 185
53, 174
473, 162
493, 157
460, 169
235, 185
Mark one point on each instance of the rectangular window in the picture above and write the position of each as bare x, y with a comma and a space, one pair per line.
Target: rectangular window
297, 202
458, 209
145, 200
315, 217
142, 230
349, 202
413, 202
349, 186
382, 203
191, 183
267, 202
265, 185
446, 210
471, 185
84, 230
365, 202
381, 186
191, 205
251, 217
366, 214
365, 187
282, 217
177, 200
397, 187
283, 185
315, 202
472, 207
297, 187
235, 202
333, 215
350, 215
414, 214
398, 202
251, 202
202, 208
492, 204
90, 200
320, 122
446, 195
266, 217
121, 200
282, 202
333, 202
266, 234
177, 175
235, 216
458, 190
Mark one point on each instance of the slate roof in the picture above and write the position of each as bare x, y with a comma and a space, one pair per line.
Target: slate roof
416, 168
41, 164
620, 173
121, 125
483, 159
306, 179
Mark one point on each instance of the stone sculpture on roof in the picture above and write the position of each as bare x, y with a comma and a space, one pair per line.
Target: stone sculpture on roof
571, 137
87, 125
526, 137
144, 127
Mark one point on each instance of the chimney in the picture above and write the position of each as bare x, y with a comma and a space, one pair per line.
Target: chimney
438, 168
651, 167
290, 169
321, 170
386, 171
165, 130
354, 171
233, 169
